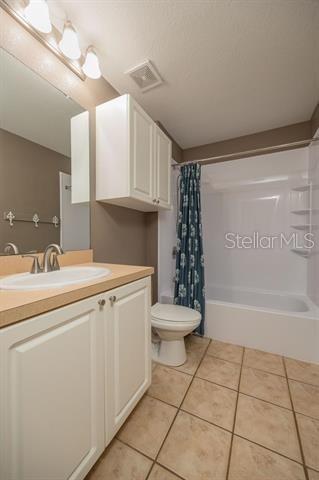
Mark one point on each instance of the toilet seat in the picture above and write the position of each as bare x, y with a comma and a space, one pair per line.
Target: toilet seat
175, 317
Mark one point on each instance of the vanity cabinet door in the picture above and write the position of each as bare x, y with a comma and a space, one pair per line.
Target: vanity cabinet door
163, 158
52, 394
128, 351
141, 153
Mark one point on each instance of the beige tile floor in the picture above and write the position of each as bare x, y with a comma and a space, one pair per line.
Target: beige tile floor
229, 413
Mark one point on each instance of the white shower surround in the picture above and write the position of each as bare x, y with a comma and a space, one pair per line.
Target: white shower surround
257, 298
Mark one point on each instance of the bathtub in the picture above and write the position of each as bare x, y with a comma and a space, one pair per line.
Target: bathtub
278, 323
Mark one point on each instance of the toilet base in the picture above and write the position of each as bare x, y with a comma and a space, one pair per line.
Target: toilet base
170, 353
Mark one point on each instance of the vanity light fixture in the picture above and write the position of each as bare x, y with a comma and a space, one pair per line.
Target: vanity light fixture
37, 14
35, 18
69, 43
91, 66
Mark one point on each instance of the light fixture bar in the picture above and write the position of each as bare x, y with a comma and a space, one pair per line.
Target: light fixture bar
72, 66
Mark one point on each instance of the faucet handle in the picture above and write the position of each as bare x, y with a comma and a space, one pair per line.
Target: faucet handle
35, 265
55, 261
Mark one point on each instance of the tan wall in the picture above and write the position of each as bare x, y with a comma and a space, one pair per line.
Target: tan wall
118, 235
29, 183
177, 152
276, 136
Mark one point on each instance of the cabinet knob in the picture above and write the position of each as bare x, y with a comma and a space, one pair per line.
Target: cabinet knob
112, 300
157, 201
101, 302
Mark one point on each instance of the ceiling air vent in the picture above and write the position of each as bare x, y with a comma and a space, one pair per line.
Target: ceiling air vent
145, 76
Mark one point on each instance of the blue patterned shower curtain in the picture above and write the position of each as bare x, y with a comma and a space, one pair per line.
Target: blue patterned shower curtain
189, 275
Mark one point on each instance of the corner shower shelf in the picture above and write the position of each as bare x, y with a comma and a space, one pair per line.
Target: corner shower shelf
302, 188
306, 211
303, 252
307, 226
305, 188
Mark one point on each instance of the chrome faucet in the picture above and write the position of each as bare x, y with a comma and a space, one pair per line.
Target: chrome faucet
11, 249
52, 251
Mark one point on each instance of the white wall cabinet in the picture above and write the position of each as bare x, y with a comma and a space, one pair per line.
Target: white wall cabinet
163, 151
68, 379
133, 157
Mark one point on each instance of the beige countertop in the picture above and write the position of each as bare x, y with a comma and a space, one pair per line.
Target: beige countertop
20, 305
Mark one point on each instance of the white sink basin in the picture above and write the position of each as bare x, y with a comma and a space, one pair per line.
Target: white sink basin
58, 279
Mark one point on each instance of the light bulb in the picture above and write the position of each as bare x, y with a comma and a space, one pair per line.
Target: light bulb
37, 14
69, 43
91, 66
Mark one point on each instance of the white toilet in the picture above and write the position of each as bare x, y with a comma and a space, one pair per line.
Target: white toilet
170, 324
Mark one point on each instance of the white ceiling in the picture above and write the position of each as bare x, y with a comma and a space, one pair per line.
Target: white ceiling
231, 67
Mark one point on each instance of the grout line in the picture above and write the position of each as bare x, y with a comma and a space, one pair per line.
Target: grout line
160, 400
134, 448
207, 421
296, 379
253, 396
235, 434
176, 369
316, 419
232, 432
264, 371
235, 415
179, 408
303, 383
223, 359
297, 428
266, 401
244, 394
219, 384
269, 449
169, 470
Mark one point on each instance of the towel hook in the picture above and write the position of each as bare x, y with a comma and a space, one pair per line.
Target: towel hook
36, 220
10, 216
55, 221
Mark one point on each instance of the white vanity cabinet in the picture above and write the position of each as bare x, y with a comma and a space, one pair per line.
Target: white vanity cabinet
128, 354
51, 371
133, 157
68, 379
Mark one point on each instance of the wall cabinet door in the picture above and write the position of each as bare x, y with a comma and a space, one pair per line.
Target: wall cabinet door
128, 355
163, 158
141, 153
52, 394
132, 157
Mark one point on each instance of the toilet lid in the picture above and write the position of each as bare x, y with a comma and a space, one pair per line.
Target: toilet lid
174, 313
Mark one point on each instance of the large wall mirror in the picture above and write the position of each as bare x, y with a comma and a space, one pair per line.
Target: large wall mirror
44, 164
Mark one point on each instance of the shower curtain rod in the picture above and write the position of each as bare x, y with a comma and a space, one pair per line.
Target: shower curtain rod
219, 158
